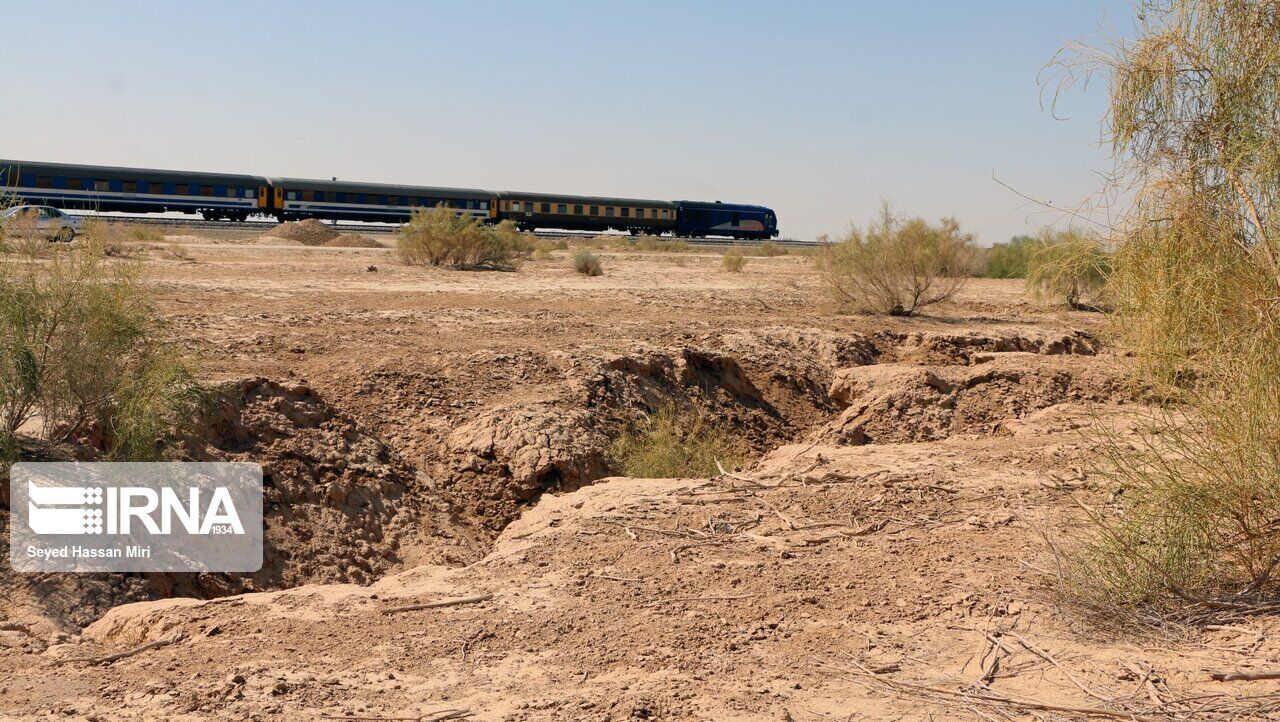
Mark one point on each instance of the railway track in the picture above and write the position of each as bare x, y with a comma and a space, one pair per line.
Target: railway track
386, 229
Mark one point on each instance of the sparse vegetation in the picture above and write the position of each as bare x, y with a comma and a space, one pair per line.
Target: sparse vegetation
543, 247
769, 249
1194, 105
443, 237
1069, 266
587, 263
80, 346
734, 260
676, 442
146, 233
898, 265
656, 243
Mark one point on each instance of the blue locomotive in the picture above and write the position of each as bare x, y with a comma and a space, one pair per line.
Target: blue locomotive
218, 196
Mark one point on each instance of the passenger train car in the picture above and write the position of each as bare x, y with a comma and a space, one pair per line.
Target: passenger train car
236, 197
295, 198
531, 211
134, 190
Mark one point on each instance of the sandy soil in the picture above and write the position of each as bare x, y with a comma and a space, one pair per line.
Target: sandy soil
436, 435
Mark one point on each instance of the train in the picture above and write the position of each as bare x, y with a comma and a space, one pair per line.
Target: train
218, 196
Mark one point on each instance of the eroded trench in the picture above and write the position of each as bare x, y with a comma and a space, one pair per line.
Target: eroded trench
343, 506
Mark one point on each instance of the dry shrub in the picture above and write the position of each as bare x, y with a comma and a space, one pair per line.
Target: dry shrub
734, 260
587, 263
676, 442
80, 345
147, 233
898, 265
1069, 266
1195, 114
656, 243
443, 237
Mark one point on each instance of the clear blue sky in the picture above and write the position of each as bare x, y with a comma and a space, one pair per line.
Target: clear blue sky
818, 109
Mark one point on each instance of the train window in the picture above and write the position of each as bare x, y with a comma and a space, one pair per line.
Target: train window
595, 210
608, 211
546, 207
308, 195
73, 184
182, 189
206, 190
231, 192
515, 206
291, 196
249, 193
44, 181
562, 208
577, 210
101, 185
626, 212
665, 215
129, 186
155, 187
484, 205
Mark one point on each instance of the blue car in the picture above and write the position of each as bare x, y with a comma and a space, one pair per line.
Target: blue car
695, 219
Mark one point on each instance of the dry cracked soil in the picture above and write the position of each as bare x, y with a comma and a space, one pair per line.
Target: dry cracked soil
430, 435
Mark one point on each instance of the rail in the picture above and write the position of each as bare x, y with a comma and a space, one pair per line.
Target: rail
375, 228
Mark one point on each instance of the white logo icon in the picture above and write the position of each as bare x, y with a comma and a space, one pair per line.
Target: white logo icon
79, 510
64, 509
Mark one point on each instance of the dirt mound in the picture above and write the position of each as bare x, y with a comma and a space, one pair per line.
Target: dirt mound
932, 347
352, 240
505, 457
309, 232
896, 403
339, 506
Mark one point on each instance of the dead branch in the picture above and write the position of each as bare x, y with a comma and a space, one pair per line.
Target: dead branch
439, 604
1042, 654
1243, 675
739, 477
990, 700
16, 627
108, 659
615, 579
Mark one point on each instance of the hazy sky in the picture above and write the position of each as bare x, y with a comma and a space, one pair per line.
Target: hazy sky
817, 109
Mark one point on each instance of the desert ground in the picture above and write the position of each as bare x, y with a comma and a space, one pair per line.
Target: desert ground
435, 435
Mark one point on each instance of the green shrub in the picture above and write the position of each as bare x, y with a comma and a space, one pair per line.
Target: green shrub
734, 260
676, 442
1012, 259
1195, 493
80, 345
897, 265
587, 263
443, 237
1071, 267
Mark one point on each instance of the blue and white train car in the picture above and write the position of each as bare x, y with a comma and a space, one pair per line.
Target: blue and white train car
297, 198
134, 190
